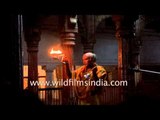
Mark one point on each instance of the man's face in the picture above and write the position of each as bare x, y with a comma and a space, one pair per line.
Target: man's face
88, 60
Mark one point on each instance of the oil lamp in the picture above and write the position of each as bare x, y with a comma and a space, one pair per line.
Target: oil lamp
56, 54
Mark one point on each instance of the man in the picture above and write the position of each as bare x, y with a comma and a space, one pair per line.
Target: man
87, 91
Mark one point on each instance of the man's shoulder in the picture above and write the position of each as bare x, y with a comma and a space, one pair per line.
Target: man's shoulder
81, 68
101, 72
99, 67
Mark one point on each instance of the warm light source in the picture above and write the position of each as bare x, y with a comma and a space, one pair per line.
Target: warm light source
56, 54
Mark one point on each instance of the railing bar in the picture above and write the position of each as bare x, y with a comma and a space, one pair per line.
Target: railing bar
142, 70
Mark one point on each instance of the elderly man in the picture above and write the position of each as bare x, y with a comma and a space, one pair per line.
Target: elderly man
90, 72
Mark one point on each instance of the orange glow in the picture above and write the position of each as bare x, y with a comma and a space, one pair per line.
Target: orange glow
55, 52
41, 76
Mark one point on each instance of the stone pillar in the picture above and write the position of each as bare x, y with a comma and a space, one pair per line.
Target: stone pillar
127, 56
68, 32
88, 35
49, 68
88, 47
32, 38
68, 43
49, 72
69, 28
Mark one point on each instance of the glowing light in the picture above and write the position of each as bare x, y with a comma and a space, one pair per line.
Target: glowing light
55, 52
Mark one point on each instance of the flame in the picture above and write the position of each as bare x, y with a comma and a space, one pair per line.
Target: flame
55, 52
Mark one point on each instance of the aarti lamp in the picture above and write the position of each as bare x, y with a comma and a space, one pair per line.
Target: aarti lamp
56, 54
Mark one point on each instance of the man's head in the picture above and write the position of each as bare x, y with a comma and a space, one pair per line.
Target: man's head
89, 59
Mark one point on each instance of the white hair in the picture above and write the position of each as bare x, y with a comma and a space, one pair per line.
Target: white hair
93, 55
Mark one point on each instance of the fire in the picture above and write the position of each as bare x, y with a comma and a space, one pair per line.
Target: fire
55, 52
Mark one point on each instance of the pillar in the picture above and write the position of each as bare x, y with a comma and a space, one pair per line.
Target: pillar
49, 68
49, 94
139, 27
32, 38
68, 32
118, 23
88, 35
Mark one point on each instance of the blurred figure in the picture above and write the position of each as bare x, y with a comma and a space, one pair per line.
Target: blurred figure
87, 94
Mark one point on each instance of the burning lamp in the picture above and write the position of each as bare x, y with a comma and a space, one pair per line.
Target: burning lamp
56, 54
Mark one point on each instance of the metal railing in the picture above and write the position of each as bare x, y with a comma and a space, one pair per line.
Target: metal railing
51, 96
143, 70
